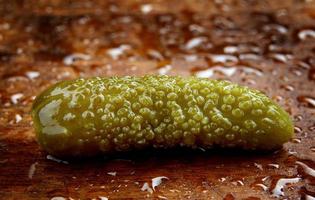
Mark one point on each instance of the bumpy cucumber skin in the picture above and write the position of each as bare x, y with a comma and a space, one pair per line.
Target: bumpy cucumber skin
102, 115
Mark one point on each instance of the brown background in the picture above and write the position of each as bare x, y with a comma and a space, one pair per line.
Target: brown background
270, 46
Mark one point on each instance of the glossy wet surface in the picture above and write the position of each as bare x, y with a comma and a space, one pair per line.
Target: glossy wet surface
261, 44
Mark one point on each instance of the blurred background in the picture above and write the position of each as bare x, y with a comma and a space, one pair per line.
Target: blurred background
265, 44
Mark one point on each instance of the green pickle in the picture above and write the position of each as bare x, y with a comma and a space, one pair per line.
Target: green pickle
86, 117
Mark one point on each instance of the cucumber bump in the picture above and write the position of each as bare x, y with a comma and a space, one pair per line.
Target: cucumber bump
103, 115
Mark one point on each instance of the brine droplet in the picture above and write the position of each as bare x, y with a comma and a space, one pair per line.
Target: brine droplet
298, 118
307, 169
296, 140
287, 87
298, 129
307, 101
306, 34
281, 183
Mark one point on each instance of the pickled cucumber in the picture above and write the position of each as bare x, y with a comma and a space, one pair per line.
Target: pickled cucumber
104, 115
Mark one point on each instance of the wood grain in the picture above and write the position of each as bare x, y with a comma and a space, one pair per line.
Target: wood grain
267, 45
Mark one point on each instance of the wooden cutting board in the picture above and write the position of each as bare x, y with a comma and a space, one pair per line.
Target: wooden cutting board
268, 45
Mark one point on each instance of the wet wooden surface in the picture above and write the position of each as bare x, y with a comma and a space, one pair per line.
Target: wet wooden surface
268, 45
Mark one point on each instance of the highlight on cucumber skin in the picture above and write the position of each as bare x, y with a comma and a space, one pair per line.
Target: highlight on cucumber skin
94, 116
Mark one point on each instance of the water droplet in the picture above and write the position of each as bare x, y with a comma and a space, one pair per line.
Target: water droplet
115, 53
157, 181
5, 26
239, 182
305, 34
278, 190
259, 166
223, 58
112, 173
70, 59
275, 48
195, 42
155, 54
31, 170
147, 188
298, 118
196, 28
163, 197
18, 118
16, 97
265, 178
296, 140
146, 8
281, 57
298, 129
275, 27
58, 198
223, 22
291, 152
307, 101
264, 187
251, 70
191, 58
83, 20
308, 170
32, 74
164, 70
287, 87
228, 71
249, 56
309, 197
296, 72
274, 165
277, 98
303, 65
222, 179
50, 157
231, 49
